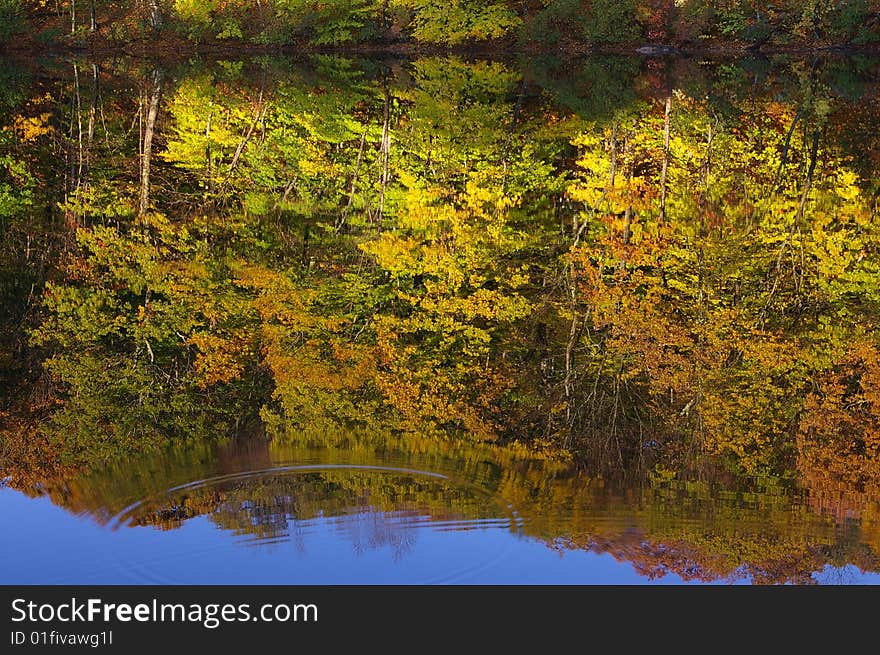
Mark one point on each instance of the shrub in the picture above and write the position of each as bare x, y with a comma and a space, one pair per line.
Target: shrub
456, 21
612, 21
11, 18
692, 19
599, 21
851, 23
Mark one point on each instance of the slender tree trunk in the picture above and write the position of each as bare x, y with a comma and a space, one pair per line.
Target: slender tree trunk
385, 150
259, 117
795, 224
354, 179
72, 16
569, 369
86, 165
79, 132
573, 334
155, 12
74, 154
664, 172
786, 147
149, 130
808, 184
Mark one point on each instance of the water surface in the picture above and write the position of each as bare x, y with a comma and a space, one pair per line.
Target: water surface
446, 320
356, 509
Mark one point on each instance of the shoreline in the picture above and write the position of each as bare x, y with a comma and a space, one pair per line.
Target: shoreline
177, 48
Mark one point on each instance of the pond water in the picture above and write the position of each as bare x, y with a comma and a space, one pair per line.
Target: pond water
334, 320
360, 510
258, 540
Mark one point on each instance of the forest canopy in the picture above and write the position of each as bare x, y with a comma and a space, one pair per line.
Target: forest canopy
541, 24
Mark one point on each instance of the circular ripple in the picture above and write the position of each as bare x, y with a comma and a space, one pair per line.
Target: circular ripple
318, 524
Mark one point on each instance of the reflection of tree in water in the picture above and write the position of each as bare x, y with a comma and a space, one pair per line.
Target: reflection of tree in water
670, 284
371, 529
370, 510
764, 531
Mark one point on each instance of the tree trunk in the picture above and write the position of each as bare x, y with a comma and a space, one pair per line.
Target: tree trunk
147, 150
808, 184
385, 150
155, 12
74, 154
86, 165
664, 172
340, 223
